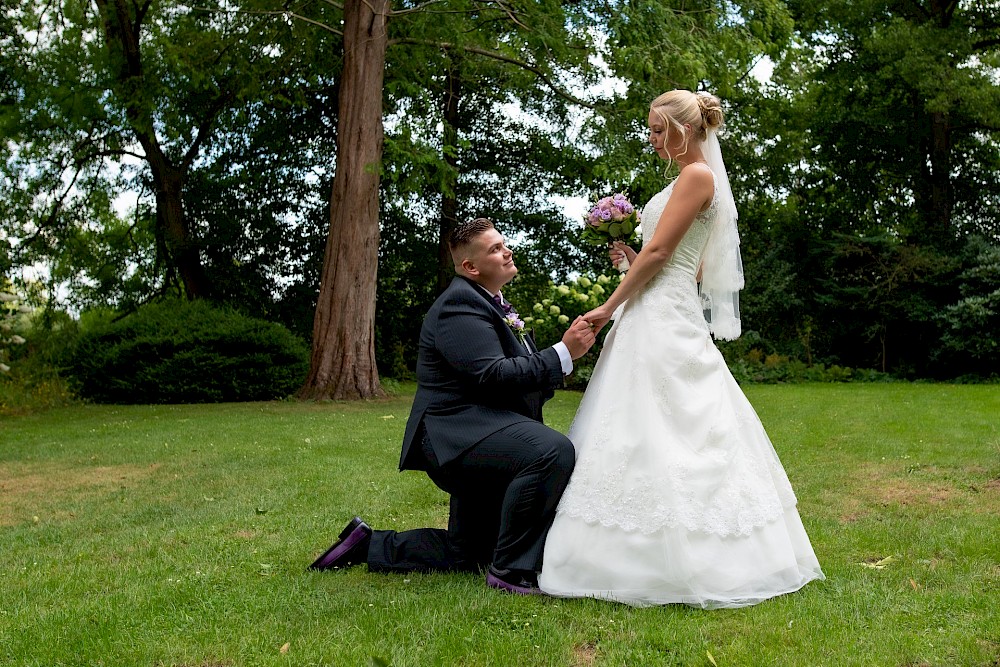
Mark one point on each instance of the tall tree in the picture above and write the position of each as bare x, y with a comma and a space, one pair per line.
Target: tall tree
897, 94
852, 211
343, 349
109, 84
343, 360
531, 37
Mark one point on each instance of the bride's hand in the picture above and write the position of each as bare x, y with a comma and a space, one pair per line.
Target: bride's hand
618, 251
598, 317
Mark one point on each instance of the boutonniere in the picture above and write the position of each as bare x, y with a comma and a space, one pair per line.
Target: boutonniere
514, 321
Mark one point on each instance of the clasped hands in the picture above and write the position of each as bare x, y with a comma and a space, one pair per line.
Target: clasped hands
582, 334
580, 337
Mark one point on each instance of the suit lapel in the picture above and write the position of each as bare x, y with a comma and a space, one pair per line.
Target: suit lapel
528, 344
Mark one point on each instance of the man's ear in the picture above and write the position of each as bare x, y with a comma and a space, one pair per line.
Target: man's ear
469, 267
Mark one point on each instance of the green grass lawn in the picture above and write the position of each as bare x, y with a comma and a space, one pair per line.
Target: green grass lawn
179, 535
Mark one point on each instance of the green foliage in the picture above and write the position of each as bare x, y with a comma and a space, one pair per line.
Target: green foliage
12, 317
406, 289
860, 168
232, 109
748, 363
30, 344
860, 171
549, 317
969, 343
186, 352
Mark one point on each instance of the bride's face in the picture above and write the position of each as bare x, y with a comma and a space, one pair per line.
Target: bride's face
657, 134
668, 145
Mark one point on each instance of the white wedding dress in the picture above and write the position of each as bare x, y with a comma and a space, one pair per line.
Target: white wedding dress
678, 495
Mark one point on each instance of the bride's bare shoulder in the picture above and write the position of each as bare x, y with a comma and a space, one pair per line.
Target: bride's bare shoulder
696, 180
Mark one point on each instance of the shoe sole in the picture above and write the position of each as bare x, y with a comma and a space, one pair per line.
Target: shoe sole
495, 582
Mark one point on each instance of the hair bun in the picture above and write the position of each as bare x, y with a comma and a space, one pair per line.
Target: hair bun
711, 110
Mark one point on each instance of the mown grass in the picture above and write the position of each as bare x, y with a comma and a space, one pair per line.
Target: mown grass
179, 535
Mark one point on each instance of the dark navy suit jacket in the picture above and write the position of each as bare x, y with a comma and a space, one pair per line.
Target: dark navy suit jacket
474, 376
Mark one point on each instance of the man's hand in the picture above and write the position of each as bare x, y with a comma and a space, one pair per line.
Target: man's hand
579, 338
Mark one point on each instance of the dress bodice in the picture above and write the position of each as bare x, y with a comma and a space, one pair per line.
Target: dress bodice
687, 256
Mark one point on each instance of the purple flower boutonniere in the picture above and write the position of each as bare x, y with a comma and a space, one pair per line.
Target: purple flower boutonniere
513, 320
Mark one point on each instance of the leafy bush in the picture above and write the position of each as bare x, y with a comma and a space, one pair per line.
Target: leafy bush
186, 352
550, 318
30, 342
969, 345
750, 364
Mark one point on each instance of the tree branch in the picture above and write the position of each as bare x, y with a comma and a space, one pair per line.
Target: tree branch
949, 10
985, 44
510, 13
280, 12
743, 77
204, 128
56, 207
446, 46
418, 8
140, 15
112, 153
920, 9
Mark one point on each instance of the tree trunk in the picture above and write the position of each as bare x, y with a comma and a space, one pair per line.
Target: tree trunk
122, 23
184, 255
343, 346
449, 190
938, 220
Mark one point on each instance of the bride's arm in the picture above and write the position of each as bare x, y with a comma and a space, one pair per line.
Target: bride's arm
693, 189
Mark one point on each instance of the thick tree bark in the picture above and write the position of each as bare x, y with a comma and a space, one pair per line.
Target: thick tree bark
449, 195
343, 346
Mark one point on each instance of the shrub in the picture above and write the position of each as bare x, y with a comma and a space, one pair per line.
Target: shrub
550, 318
186, 352
30, 342
751, 365
969, 345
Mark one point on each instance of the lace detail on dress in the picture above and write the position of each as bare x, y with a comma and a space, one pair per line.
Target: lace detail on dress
749, 492
651, 212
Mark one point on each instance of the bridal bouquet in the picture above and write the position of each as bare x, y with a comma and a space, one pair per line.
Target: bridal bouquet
611, 219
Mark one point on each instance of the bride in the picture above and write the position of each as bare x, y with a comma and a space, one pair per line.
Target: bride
678, 495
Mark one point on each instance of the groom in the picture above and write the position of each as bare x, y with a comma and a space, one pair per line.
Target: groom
476, 429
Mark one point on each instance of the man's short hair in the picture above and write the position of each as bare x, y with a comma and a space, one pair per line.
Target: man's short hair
465, 232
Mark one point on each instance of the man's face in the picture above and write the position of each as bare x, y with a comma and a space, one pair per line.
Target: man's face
492, 262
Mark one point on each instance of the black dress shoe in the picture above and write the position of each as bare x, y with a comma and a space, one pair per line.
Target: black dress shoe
519, 582
351, 548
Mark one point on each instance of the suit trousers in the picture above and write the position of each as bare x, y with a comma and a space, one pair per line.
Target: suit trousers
504, 492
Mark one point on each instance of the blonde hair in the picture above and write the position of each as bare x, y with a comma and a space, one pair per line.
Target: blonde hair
702, 111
